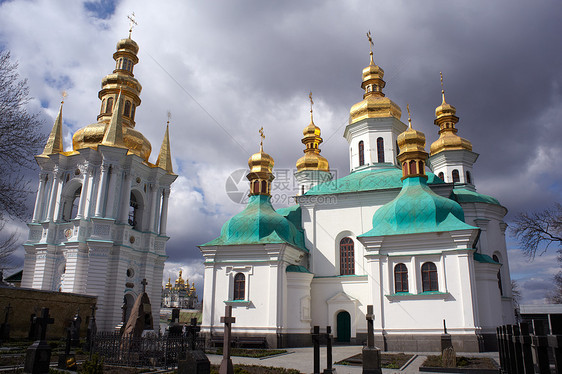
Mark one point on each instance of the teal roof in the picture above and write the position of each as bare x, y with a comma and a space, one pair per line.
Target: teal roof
484, 258
297, 269
366, 180
259, 223
417, 209
463, 195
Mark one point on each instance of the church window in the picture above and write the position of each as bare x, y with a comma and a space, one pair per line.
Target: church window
70, 205
468, 177
239, 287
109, 106
405, 168
429, 277
127, 110
420, 167
413, 167
400, 278
347, 257
102, 106
380, 149
442, 176
499, 275
256, 187
361, 153
456, 177
133, 111
263, 187
135, 210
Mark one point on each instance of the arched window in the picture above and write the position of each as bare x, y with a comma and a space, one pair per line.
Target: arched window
109, 106
347, 257
412, 167
361, 153
239, 287
135, 210
429, 277
380, 149
456, 177
420, 167
133, 112
442, 176
400, 278
127, 110
256, 187
499, 275
405, 168
263, 187
468, 177
102, 106
70, 205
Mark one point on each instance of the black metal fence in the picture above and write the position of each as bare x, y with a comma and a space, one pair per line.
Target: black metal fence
152, 350
533, 347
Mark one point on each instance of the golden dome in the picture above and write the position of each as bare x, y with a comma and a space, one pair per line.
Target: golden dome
169, 284
261, 171
412, 155
446, 120
374, 103
180, 279
312, 140
122, 81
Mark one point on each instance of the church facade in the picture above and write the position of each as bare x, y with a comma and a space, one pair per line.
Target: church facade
99, 223
406, 231
180, 295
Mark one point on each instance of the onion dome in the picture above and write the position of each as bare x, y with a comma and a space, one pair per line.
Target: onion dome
169, 284
121, 80
180, 280
412, 155
446, 120
312, 140
374, 103
260, 175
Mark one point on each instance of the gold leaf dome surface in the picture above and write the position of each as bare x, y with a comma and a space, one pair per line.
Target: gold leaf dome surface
261, 162
312, 159
448, 138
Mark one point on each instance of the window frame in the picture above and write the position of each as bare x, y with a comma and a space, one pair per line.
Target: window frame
401, 276
239, 287
347, 256
361, 153
431, 283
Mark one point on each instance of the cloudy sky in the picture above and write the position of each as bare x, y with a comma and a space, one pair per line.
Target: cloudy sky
225, 68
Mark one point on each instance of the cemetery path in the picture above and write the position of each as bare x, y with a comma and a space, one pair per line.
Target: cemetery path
301, 359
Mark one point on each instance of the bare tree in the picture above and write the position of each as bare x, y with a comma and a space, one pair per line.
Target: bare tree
20, 140
534, 230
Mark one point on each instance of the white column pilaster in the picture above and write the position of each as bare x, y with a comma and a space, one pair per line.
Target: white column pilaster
101, 191
125, 197
91, 175
39, 199
54, 191
153, 202
115, 174
164, 216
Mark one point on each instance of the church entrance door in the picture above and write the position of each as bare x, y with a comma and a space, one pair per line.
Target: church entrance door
343, 322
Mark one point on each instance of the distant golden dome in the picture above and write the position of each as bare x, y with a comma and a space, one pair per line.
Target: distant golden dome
412, 155
169, 284
448, 138
374, 103
312, 140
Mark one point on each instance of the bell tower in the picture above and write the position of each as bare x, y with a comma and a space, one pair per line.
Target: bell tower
99, 223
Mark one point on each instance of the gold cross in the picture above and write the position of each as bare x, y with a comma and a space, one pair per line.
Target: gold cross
64, 94
409, 116
311, 102
132, 23
371, 44
441, 74
169, 117
262, 138
442, 88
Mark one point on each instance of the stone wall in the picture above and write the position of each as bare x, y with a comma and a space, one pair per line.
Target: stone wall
62, 307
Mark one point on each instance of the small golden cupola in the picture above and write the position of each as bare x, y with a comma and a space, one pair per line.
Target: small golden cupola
121, 80
374, 103
312, 140
169, 284
412, 155
446, 120
261, 171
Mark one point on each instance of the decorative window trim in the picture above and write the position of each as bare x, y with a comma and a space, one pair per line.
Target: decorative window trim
430, 295
231, 272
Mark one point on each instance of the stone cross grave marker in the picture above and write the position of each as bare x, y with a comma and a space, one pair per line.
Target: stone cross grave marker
329, 339
226, 364
192, 331
38, 356
371, 355
144, 283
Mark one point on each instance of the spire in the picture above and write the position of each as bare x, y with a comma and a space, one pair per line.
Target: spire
164, 160
412, 155
312, 140
446, 120
114, 133
260, 175
54, 143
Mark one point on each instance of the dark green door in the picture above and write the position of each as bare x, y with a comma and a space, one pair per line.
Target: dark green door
344, 327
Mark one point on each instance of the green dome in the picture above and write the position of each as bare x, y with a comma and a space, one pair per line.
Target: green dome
463, 195
366, 180
417, 209
259, 223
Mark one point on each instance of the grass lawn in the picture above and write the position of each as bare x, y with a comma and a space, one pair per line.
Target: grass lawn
388, 360
463, 362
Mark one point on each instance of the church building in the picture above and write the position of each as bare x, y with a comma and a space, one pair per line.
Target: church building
405, 231
99, 223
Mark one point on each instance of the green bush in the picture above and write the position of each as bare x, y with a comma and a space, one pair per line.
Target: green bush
93, 366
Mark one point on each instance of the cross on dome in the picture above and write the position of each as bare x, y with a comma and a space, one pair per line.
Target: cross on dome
132, 23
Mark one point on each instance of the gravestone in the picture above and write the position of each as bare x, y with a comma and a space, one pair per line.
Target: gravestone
226, 363
141, 315
67, 360
92, 329
38, 356
174, 327
195, 360
5, 326
329, 339
75, 329
371, 355
448, 354
316, 349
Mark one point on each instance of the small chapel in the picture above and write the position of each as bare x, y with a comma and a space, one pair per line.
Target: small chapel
405, 231
99, 223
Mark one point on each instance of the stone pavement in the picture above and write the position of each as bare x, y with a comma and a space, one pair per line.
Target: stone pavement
301, 359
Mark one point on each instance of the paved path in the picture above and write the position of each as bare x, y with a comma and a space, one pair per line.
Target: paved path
301, 359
